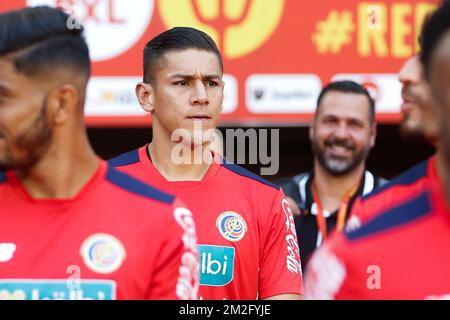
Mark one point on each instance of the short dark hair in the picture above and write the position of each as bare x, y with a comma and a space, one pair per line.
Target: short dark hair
46, 41
176, 39
348, 86
436, 26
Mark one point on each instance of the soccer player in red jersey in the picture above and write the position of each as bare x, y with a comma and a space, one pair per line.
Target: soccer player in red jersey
418, 125
247, 242
72, 227
401, 251
436, 49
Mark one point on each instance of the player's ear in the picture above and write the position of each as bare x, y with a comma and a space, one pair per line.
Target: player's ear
146, 96
61, 103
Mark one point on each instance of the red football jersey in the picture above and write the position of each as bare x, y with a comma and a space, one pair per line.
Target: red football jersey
399, 253
248, 247
118, 238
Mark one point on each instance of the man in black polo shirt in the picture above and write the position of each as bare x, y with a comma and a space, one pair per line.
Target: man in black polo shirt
342, 134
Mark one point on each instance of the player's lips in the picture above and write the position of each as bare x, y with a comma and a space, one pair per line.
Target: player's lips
408, 101
199, 117
407, 105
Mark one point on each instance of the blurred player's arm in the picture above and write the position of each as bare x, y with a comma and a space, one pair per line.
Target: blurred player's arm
327, 277
176, 274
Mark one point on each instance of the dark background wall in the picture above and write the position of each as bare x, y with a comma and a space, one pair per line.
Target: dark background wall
390, 156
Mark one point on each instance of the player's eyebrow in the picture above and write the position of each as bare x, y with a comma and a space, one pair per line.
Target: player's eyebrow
188, 76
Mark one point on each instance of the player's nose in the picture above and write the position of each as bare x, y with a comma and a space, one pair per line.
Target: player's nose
199, 94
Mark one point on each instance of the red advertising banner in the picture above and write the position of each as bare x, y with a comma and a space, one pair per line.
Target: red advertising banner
277, 53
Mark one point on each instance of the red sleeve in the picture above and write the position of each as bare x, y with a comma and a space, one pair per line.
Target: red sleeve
176, 274
339, 271
358, 215
280, 260
326, 275
365, 210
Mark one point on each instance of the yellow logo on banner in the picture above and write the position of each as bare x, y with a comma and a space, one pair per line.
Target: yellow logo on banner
238, 26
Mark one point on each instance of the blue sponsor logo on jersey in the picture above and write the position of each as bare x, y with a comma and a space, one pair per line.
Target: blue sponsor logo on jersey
216, 265
28, 289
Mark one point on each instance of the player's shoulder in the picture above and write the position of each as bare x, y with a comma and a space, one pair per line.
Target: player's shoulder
403, 214
408, 178
291, 181
244, 175
125, 159
134, 186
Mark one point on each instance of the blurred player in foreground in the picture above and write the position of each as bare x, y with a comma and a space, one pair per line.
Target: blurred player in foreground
435, 57
418, 125
401, 251
71, 226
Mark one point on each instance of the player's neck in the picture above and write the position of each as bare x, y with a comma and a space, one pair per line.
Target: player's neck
62, 172
190, 167
331, 188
